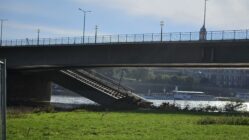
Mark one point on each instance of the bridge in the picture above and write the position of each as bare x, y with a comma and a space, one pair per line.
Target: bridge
33, 63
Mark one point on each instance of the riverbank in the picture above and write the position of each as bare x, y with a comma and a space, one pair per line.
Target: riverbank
127, 125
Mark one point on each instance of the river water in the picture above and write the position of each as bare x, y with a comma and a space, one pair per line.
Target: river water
71, 102
197, 104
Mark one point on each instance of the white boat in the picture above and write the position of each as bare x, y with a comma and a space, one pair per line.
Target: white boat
191, 95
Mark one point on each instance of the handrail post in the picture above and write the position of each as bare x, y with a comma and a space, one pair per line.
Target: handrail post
190, 36
10, 42
21, 42
246, 34
234, 34
211, 35
143, 37
126, 38
180, 36
135, 36
68, 40
222, 35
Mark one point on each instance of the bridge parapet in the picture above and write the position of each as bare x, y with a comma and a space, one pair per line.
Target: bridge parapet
131, 38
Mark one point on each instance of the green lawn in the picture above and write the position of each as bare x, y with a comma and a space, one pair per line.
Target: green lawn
143, 125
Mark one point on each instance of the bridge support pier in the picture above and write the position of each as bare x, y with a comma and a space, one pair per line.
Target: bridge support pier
28, 89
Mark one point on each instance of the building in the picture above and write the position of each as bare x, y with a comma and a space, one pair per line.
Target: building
242, 96
223, 77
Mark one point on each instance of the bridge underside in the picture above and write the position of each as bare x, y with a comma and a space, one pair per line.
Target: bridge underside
34, 88
26, 88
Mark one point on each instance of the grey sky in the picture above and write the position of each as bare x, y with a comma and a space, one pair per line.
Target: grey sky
62, 18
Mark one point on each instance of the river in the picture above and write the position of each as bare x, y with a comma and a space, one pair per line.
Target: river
71, 102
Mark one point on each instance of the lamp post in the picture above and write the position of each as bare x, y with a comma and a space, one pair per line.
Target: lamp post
205, 12
203, 31
84, 24
38, 36
96, 33
162, 24
2, 20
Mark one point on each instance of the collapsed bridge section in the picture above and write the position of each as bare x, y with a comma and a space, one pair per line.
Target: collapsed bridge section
36, 87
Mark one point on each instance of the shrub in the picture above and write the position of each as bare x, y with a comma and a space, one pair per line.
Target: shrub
233, 106
169, 107
224, 120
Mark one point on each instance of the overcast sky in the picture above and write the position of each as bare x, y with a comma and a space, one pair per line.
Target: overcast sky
56, 18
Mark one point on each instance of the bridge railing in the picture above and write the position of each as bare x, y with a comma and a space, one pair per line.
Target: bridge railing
132, 38
103, 79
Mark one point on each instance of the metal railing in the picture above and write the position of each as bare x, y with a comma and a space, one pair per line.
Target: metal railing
107, 81
132, 38
112, 83
91, 83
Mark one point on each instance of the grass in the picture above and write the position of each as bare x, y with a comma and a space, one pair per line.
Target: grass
129, 125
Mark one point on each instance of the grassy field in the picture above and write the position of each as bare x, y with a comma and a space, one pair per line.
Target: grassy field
136, 125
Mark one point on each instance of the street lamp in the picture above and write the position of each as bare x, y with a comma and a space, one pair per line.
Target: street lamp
84, 24
162, 24
2, 20
205, 11
96, 33
38, 36
203, 31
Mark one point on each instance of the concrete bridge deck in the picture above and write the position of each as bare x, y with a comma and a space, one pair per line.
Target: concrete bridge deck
218, 53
